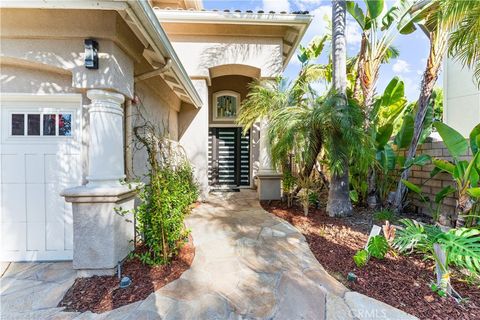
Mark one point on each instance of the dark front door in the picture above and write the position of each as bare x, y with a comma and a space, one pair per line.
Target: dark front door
229, 157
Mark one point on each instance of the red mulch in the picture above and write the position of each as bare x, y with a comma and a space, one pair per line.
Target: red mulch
400, 281
100, 294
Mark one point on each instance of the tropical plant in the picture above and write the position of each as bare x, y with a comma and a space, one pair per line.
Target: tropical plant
288, 183
437, 24
465, 174
387, 112
384, 215
380, 27
308, 188
339, 203
460, 246
464, 43
435, 206
377, 247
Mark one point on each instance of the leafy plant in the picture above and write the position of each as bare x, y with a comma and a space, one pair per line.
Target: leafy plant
465, 174
377, 247
165, 200
384, 215
461, 246
361, 258
436, 205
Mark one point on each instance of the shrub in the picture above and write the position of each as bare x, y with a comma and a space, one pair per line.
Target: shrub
165, 201
384, 215
166, 197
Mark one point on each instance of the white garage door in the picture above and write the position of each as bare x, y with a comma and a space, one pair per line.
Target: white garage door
40, 155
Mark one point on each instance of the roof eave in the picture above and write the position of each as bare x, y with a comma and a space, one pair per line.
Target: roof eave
145, 13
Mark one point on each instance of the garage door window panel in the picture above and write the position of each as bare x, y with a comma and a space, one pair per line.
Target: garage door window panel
49, 124
18, 124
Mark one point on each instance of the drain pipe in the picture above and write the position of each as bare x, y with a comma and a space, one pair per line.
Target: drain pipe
128, 139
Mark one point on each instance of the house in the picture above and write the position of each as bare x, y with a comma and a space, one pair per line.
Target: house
461, 98
78, 76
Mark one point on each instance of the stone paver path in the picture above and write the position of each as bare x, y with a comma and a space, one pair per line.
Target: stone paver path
249, 264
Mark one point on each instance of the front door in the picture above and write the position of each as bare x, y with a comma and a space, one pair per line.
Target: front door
229, 157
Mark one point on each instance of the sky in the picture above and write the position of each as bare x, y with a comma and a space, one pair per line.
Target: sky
413, 48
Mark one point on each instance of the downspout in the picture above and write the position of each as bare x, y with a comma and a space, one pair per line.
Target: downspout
128, 140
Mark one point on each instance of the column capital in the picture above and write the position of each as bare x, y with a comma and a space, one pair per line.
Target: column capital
103, 96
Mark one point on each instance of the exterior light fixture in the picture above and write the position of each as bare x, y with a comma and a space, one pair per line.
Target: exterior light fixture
91, 54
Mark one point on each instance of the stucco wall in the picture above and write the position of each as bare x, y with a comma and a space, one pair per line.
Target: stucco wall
462, 98
160, 110
198, 54
21, 79
42, 51
193, 135
56, 38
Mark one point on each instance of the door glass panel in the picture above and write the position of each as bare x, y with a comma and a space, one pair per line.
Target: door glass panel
65, 124
18, 124
49, 124
226, 107
33, 125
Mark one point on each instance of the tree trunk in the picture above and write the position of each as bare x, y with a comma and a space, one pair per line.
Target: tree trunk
339, 194
429, 79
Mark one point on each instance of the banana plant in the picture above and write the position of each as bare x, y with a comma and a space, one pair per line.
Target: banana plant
465, 174
435, 206
387, 114
380, 26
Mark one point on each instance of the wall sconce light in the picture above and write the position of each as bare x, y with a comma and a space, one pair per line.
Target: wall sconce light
91, 54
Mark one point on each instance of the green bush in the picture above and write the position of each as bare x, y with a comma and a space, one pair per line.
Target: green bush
385, 215
165, 201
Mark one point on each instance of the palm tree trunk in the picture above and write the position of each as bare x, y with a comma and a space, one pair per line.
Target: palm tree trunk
435, 59
339, 193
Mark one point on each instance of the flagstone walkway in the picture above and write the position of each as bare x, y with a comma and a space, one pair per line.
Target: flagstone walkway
249, 264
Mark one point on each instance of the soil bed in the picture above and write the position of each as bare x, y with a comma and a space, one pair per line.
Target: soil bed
100, 294
398, 280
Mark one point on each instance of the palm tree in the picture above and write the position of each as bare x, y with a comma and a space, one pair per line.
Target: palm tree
380, 27
464, 42
339, 203
438, 24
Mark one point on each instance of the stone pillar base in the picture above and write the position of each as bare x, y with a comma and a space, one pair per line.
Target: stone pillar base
269, 186
101, 236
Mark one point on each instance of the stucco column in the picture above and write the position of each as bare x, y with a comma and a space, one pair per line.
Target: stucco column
101, 236
269, 180
105, 156
265, 160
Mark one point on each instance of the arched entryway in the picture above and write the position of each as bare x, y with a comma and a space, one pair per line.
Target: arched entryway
233, 155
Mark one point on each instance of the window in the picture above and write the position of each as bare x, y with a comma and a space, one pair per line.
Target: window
225, 105
41, 124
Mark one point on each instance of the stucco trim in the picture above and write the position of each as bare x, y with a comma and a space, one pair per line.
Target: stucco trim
47, 97
235, 69
29, 64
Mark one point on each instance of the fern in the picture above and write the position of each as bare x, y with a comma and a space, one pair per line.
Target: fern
377, 247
